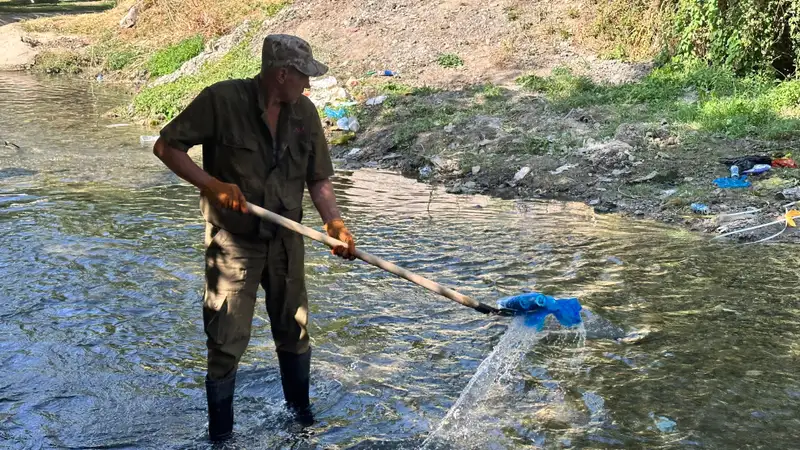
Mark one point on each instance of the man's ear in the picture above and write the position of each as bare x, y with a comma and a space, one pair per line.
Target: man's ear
281, 75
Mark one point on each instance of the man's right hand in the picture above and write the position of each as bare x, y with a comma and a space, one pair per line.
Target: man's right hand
225, 195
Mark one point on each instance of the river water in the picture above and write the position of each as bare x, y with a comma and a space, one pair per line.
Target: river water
101, 340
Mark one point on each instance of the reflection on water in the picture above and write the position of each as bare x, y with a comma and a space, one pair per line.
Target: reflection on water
101, 341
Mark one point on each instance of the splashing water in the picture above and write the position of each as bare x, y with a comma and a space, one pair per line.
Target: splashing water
486, 405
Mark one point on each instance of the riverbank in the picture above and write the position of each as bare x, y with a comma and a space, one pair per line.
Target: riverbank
488, 115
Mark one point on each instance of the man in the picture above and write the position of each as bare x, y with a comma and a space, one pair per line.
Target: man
263, 143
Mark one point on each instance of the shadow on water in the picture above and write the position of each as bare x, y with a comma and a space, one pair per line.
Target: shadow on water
102, 345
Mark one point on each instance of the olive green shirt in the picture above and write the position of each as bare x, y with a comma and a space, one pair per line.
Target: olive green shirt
229, 120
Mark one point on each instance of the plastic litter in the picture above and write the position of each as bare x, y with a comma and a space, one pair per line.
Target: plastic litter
348, 124
323, 83
144, 140
734, 171
784, 162
758, 168
664, 424
522, 173
732, 183
746, 162
538, 306
376, 100
386, 73
700, 208
334, 113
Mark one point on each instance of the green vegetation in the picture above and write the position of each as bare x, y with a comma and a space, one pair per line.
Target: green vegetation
167, 100
55, 7
450, 60
68, 63
170, 59
706, 98
745, 36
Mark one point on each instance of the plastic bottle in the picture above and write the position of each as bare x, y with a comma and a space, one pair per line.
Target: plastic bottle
734, 171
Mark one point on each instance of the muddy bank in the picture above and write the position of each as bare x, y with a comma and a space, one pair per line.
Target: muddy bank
510, 143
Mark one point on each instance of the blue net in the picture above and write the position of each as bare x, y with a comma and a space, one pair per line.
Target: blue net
536, 307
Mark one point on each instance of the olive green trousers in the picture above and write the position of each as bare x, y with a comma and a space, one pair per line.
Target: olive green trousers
235, 267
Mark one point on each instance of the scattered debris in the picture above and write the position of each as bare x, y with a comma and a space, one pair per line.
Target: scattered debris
522, 173
791, 193
773, 184
666, 193
609, 154
645, 178
147, 140
354, 152
563, 169
348, 124
334, 113
784, 162
449, 128
664, 424
476, 170
118, 125
700, 208
732, 183
376, 100
758, 168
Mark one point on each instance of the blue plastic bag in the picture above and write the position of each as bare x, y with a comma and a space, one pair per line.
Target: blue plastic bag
536, 307
732, 183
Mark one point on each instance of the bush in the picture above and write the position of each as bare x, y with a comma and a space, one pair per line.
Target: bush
745, 36
170, 59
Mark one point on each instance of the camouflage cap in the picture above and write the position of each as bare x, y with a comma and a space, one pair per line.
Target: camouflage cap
281, 50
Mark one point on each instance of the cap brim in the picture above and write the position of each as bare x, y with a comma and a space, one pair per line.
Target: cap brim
313, 68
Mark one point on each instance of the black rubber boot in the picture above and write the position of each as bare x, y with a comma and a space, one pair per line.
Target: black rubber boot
220, 407
295, 371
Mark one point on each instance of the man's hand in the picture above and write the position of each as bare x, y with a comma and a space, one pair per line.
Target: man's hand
336, 229
225, 195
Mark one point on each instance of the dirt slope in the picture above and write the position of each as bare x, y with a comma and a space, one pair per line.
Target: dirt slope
497, 40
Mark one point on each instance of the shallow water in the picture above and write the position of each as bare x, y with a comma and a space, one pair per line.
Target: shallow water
101, 340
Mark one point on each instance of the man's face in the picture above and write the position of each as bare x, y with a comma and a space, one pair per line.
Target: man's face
294, 83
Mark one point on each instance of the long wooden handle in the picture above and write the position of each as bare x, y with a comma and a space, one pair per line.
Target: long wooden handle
372, 259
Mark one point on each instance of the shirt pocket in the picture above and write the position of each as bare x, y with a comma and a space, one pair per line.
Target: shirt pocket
240, 160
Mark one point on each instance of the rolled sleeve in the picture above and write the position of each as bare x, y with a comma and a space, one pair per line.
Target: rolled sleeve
193, 126
320, 165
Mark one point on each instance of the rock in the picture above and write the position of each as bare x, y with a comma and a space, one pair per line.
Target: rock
647, 177
791, 193
609, 154
470, 185
476, 170
522, 173
129, 21
353, 153
605, 207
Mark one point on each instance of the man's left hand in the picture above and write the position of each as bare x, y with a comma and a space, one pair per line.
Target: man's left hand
336, 229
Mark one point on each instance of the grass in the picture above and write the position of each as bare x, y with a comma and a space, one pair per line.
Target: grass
162, 22
450, 60
68, 63
167, 100
723, 103
55, 7
170, 59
